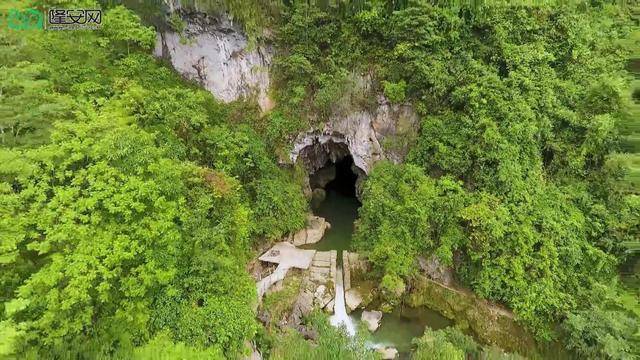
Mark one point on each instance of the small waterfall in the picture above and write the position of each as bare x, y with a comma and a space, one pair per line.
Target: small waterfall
340, 317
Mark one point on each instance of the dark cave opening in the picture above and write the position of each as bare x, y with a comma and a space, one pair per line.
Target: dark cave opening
331, 170
338, 176
345, 180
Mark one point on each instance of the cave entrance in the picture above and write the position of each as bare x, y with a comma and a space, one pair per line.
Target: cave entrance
334, 198
336, 176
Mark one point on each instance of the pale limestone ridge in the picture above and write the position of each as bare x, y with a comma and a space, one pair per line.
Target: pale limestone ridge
215, 52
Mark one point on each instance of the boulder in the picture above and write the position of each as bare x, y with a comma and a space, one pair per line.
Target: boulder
387, 352
353, 299
316, 226
371, 319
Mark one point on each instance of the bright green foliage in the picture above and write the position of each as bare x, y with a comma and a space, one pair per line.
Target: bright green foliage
332, 343
27, 83
396, 92
521, 107
608, 329
435, 345
102, 230
123, 26
162, 348
451, 343
411, 215
132, 222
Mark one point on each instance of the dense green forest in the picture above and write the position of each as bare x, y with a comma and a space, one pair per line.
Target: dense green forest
132, 201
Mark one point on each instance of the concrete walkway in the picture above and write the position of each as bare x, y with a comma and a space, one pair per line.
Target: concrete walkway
287, 256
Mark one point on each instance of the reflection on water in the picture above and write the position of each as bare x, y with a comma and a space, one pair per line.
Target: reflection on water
340, 211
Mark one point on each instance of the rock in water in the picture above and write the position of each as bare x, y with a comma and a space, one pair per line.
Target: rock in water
316, 226
323, 176
388, 352
371, 319
353, 299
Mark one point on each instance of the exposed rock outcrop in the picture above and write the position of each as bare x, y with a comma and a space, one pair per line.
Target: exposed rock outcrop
214, 51
302, 307
435, 270
369, 136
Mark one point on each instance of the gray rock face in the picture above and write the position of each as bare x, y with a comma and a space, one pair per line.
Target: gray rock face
214, 51
371, 319
363, 133
435, 270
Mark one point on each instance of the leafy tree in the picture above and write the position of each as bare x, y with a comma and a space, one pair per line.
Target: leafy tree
404, 213
395, 92
122, 25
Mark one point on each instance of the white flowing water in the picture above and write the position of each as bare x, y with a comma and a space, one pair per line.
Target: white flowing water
340, 317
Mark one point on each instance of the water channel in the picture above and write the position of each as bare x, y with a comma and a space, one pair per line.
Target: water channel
340, 209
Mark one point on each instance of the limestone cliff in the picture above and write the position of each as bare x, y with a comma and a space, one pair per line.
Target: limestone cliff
214, 51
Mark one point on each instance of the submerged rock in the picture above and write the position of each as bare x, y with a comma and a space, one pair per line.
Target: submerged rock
317, 197
387, 352
371, 319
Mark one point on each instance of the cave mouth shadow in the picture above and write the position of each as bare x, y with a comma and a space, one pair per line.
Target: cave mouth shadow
338, 176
